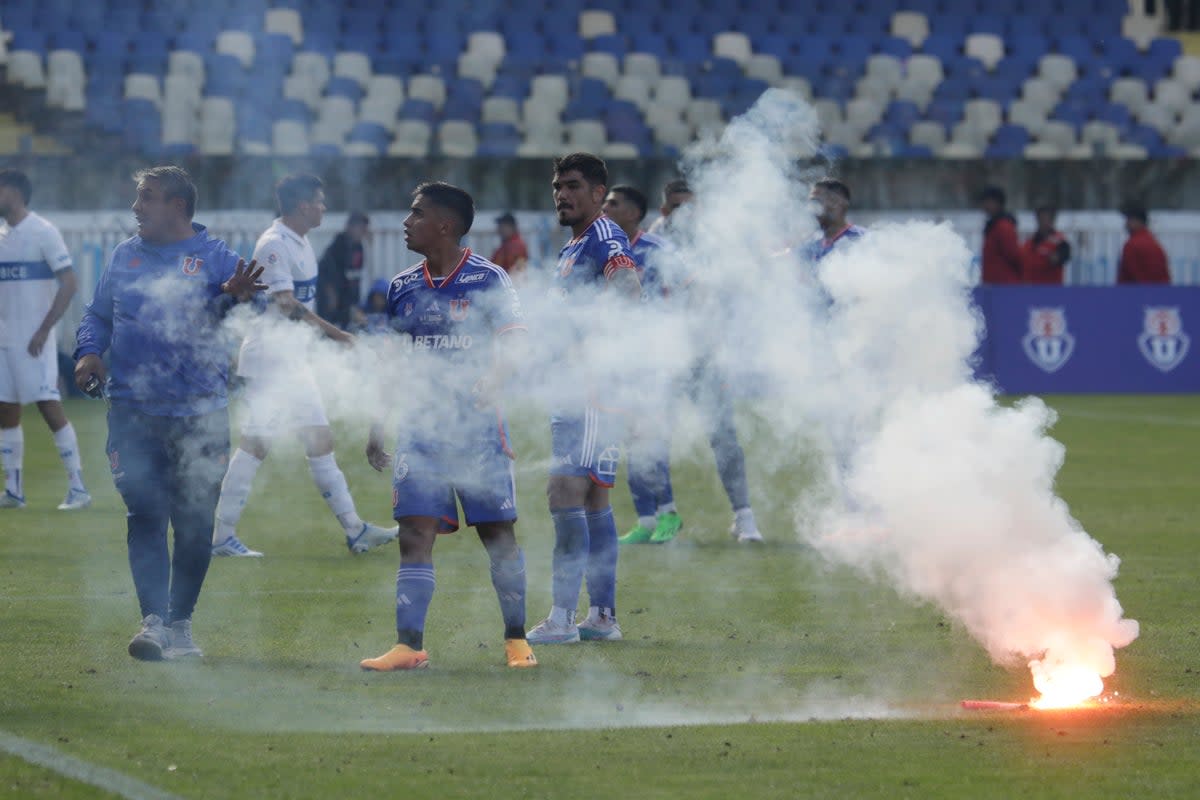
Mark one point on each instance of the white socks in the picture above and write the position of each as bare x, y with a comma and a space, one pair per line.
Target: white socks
561, 616
666, 508
647, 522
744, 518
12, 454
68, 451
235, 488
331, 483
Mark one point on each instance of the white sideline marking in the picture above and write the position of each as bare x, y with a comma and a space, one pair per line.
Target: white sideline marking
93, 775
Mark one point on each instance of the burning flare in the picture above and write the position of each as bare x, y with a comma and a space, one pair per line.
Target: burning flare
1064, 685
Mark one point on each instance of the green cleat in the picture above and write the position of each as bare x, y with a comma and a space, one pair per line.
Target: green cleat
667, 528
639, 535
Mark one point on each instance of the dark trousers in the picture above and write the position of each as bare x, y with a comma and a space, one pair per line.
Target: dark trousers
168, 470
713, 396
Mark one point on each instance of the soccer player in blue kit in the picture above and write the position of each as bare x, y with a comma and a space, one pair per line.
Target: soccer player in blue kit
157, 311
648, 461
596, 269
462, 320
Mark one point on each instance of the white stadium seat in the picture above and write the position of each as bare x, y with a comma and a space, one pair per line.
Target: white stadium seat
644, 65
1158, 116
412, 139
984, 113
886, 69
353, 65
915, 92
987, 47
25, 69
1129, 92
501, 109
216, 126
378, 110
551, 89
179, 120
385, 89
1030, 116
928, 134
603, 66
337, 114
297, 87
479, 67
1060, 134
799, 85
144, 87
1043, 151
1170, 93
1041, 93
910, 25
65, 91
427, 87
766, 68
619, 150
537, 112
1187, 71
487, 44
875, 88
732, 45
1058, 69
676, 134
704, 113
457, 139
285, 20
181, 88
185, 62
922, 68
673, 91
634, 89
596, 23
586, 135
829, 112
289, 138
238, 44
863, 113
313, 67
1142, 29
1102, 136
961, 150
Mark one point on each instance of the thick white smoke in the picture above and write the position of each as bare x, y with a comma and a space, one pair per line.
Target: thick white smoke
933, 486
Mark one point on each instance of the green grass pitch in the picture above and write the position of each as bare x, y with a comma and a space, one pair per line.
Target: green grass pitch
746, 672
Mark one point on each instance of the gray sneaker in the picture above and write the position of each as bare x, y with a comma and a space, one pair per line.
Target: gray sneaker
599, 628
151, 641
182, 645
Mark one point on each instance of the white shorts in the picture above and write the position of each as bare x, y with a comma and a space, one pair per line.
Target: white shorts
28, 379
273, 407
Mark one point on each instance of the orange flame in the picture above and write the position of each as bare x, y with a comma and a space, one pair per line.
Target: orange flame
1065, 686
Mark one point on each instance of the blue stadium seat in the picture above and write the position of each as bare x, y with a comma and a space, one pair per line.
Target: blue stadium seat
902, 113
141, 126
223, 75
565, 46
689, 47
754, 25
894, 46
418, 109
647, 41
994, 24
1072, 113
1122, 53
609, 43
288, 108
953, 25
1116, 115
243, 20
1163, 51
344, 87
67, 40
371, 133
1009, 141
947, 111
510, 84
1080, 48
779, 45
946, 47
273, 51
1099, 28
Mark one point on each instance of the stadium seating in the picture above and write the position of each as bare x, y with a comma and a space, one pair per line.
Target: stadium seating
911, 78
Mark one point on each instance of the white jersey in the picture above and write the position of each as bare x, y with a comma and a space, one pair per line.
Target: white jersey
31, 254
289, 265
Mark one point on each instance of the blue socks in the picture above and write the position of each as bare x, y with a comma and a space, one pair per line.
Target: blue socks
508, 578
602, 559
570, 555
414, 591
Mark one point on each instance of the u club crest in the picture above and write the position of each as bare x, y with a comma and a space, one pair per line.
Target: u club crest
458, 308
1163, 342
1048, 344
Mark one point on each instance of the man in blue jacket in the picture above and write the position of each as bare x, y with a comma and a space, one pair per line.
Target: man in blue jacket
157, 311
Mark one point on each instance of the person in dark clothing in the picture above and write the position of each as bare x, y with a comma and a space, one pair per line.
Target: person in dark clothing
339, 274
1143, 259
1046, 253
1001, 258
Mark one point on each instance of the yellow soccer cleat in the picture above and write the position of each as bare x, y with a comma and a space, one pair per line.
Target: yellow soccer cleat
519, 654
398, 658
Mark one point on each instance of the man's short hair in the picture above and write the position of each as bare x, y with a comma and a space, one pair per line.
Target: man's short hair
506, 218
292, 190
994, 193
592, 168
19, 181
175, 183
357, 217
634, 196
835, 186
1045, 208
1134, 210
455, 200
677, 186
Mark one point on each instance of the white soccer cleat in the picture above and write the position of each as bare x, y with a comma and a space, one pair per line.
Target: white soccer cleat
745, 534
232, 546
549, 632
75, 500
600, 628
10, 500
371, 536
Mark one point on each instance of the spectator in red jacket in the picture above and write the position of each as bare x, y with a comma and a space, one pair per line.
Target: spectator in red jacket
512, 254
1001, 249
1046, 253
1142, 260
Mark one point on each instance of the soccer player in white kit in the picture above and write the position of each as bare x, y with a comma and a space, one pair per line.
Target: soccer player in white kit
37, 282
281, 393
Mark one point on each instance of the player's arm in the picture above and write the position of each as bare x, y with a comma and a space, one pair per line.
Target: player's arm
67, 286
287, 304
620, 269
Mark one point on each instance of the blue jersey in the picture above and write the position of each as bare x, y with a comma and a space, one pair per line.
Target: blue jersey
818, 247
651, 253
158, 310
590, 260
452, 324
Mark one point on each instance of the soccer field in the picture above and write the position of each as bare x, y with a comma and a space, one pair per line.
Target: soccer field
746, 671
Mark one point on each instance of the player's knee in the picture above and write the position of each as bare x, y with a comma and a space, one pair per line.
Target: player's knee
416, 541
566, 491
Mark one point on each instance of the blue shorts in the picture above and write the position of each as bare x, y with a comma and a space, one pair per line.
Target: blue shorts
588, 445
427, 477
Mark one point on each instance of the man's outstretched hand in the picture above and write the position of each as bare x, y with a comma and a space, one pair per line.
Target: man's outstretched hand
245, 281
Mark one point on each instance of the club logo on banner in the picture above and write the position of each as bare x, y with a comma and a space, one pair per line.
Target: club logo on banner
1163, 342
1048, 344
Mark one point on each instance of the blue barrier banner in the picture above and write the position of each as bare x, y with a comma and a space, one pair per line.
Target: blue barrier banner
1119, 339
